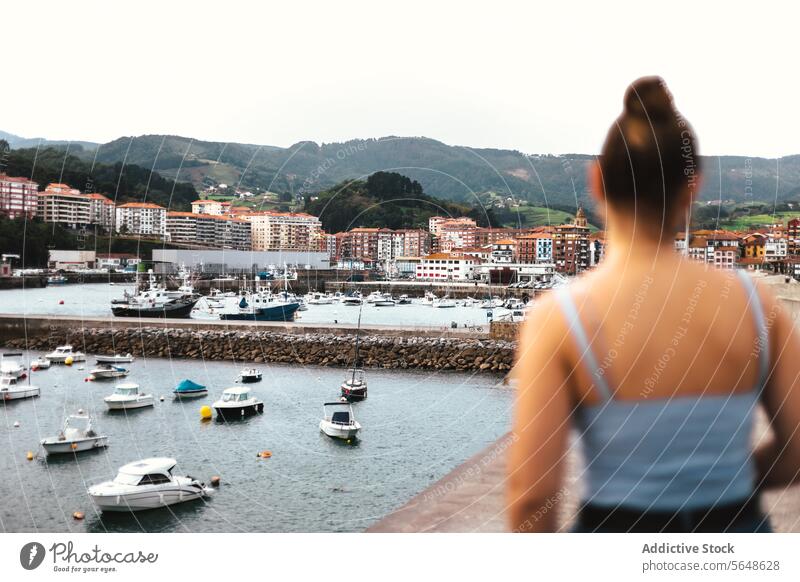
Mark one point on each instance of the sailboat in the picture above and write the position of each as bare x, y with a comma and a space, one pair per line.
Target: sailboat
354, 387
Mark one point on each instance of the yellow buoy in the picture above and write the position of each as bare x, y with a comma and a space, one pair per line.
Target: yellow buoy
205, 412
68, 361
29, 456
78, 515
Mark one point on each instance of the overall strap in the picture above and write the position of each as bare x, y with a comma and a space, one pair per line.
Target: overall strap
762, 330
570, 312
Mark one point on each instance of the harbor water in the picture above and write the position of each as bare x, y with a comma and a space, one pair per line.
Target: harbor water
94, 300
416, 428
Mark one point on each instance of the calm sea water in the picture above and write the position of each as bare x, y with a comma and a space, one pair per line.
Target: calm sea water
416, 428
93, 300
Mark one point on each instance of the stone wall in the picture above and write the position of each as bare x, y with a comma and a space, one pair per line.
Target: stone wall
424, 353
504, 330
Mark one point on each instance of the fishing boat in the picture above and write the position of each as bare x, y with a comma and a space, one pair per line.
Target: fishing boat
188, 389
260, 308
338, 421
146, 484
127, 396
107, 372
40, 363
237, 403
155, 301
115, 359
429, 299
76, 436
10, 366
62, 353
385, 301
250, 375
374, 296
404, 300
12, 389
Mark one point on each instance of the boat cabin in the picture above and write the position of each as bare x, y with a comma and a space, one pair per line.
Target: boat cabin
155, 471
127, 389
339, 413
355, 377
236, 395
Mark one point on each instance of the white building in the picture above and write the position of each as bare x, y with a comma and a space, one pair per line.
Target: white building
18, 197
142, 218
272, 231
446, 267
63, 204
213, 207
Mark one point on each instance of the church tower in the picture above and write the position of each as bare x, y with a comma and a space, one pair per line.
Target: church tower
580, 218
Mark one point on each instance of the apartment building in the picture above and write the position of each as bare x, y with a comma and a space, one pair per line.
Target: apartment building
213, 207
63, 204
210, 230
446, 267
141, 218
102, 211
272, 231
18, 197
571, 246
535, 248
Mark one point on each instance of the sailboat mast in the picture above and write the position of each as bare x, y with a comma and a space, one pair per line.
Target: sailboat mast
358, 337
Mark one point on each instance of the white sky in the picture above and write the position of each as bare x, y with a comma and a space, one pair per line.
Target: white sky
543, 79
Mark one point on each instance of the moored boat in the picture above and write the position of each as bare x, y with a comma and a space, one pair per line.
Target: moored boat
12, 389
61, 354
237, 403
188, 389
338, 421
250, 375
11, 366
115, 359
146, 484
76, 436
128, 396
354, 386
107, 372
40, 363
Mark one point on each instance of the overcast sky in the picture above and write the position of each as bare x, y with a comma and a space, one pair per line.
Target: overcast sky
544, 79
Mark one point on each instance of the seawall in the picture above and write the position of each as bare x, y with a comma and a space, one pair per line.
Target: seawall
254, 345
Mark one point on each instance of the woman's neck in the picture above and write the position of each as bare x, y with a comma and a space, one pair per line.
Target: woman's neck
641, 241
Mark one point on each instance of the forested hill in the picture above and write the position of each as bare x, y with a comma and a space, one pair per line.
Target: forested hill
131, 183
386, 200
448, 172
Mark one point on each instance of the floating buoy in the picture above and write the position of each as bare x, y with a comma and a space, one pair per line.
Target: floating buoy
205, 412
87, 379
265, 454
215, 481
78, 515
74, 446
61, 302
29, 456
16, 424
68, 361
161, 399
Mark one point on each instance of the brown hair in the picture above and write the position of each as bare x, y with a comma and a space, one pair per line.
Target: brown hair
650, 153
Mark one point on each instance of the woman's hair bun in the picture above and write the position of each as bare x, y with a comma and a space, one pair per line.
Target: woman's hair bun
649, 98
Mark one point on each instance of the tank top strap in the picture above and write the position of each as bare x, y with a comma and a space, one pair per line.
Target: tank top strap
762, 330
570, 311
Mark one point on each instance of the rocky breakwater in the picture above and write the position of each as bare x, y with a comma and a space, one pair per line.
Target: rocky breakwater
423, 353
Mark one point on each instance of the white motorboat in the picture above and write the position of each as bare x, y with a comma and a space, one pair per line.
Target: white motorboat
338, 421
146, 484
385, 300
11, 366
62, 353
12, 389
237, 403
115, 359
352, 300
108, 372
404, 300
250, 375
76, 436
354, 386
444, 303
40, 363
374, 296
429, 299
127, 396
317, 298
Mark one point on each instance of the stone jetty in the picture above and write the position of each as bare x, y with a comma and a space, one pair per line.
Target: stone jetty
319, 349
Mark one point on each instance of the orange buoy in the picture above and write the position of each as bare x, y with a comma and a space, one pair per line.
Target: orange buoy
78, 515
215, 481
74, 446
265, 454
29, 456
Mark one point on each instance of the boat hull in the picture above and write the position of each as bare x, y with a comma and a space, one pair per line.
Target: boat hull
250, 379
19, 394
120, 405
113, 360
354, 394
278, 313
181, 310
147, 500
188, 395
237, 412
76, 446
339, 431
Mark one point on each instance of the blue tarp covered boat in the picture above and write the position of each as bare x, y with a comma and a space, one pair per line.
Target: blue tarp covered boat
188, 389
